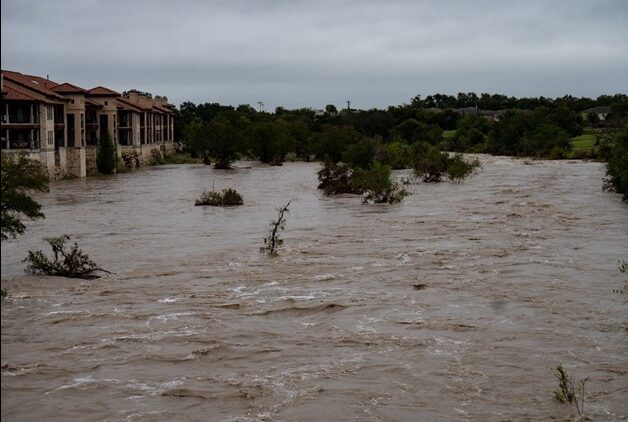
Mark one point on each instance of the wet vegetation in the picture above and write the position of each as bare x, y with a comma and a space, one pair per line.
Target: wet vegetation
227, 198
273, 241
570, 391
376, 184
71, 263
20, 176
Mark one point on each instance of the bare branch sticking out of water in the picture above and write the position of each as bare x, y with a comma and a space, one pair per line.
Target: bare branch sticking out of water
73, 263
273, 241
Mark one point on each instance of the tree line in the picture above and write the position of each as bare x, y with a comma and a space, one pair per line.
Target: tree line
533, 127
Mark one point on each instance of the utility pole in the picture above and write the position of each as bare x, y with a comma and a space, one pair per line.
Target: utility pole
348, 106
261, 106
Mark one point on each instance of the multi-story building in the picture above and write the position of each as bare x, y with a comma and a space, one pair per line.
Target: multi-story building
61, 124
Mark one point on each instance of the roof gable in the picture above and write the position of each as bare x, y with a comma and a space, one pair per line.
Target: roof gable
101, 90
68, 88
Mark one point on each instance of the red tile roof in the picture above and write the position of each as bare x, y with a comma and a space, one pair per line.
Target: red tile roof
34, 83
92, 103
18, 92
101, 90
68, 88
125, 104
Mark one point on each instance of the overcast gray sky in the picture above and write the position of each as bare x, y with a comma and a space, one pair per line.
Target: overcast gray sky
312, 53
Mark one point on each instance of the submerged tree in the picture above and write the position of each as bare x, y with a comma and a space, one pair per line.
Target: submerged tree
19, 176
273, 241
377, 185
73, 263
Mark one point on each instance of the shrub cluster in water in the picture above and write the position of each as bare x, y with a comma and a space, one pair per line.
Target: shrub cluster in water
374, 182
226, 198
433, 165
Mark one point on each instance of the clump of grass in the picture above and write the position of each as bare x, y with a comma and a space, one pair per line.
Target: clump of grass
569, 391
72, 263
226, 198
273, 241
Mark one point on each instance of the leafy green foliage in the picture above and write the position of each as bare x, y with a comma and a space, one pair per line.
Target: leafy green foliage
106, 158
377, 185
335, 179
273, 241
228, 198
617, 167
433, 165
20, 175
458, 168
72, 263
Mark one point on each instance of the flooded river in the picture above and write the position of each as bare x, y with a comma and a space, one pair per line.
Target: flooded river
453, 305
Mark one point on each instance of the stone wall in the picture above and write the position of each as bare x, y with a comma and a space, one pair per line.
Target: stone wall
76, 162
91, 168
81, 161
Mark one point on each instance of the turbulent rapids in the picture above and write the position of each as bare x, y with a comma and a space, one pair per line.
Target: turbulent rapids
455, 304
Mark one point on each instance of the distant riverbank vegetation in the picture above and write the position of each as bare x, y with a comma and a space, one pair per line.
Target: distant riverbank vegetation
565, 127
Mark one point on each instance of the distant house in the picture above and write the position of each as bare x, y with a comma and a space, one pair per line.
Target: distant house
492, 115
601, 111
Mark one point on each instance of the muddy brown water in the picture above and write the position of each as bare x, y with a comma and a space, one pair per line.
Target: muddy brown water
454, 305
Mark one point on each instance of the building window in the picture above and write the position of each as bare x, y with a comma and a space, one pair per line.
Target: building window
50, 117
50, 138
106, 102
71, 101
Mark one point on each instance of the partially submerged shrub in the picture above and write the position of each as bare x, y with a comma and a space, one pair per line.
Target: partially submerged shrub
335, 178
273, 241
228, 198
430, 163
73, 263
458, 168
377, 184
433, 165
569, 391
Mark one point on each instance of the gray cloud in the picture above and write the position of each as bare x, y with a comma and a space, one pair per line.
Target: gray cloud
298, 53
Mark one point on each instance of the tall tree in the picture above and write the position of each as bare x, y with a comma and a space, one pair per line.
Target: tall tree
19, 177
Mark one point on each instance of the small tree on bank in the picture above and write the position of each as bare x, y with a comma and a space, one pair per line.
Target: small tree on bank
106, 157
20, 176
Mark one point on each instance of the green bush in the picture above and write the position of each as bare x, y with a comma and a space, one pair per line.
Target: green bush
228, 198
377, 185
430, 163
19, 176
458, 168
433, 165
617, 167
106, 157
335, 179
